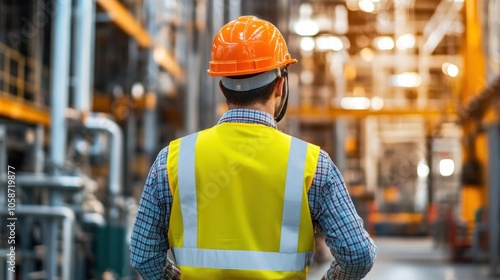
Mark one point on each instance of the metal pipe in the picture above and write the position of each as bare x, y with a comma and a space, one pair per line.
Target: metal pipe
61, 43
44, 180
218, 9
94, 219
234, 9
3, 166
192, 63
156, 17
103, 123
68, 230
38, 149
84, 55
60, 78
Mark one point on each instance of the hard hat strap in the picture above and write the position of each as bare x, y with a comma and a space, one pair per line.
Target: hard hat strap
280, 113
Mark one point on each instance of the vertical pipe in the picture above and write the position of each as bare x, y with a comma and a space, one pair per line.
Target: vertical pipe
205, 37
131, 141
234, 9
150, 140
494, 195
193, 68
38, 148
68, 233
217, 22
84, 44
59, 80
3, 165
59, 96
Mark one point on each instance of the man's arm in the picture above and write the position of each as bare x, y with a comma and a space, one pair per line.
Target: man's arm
334, 213
149, 243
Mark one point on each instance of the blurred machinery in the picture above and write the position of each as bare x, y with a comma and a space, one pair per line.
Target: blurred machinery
403, 95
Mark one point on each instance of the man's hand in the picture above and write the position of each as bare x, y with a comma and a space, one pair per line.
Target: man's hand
176, 273
172, 272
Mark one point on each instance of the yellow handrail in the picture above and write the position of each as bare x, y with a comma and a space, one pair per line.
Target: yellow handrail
21, 95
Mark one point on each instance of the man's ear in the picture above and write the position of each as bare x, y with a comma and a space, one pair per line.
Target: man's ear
278, 89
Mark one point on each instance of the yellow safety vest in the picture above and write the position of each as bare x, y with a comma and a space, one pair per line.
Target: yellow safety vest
240, 208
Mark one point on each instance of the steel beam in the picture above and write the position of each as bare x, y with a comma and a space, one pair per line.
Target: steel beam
126, 21
440, 22
22, 111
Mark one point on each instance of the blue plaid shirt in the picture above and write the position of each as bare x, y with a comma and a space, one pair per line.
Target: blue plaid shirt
331, 210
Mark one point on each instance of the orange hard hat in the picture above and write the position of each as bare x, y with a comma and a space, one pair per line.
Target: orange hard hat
248, 45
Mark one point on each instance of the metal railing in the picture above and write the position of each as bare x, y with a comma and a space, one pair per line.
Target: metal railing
22, 78
45, 214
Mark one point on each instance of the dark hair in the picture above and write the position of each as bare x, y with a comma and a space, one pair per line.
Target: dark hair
244, 98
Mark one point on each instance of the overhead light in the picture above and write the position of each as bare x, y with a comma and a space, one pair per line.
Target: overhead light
384, 43
446, 167
406, 41
137, 90
377, 103
422, 169
340, 24
355, 103
450, 69
306, 27
325, 43
366, 6
307, 44
367, 54
406, 80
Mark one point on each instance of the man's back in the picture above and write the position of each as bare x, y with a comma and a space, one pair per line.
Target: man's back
249, 204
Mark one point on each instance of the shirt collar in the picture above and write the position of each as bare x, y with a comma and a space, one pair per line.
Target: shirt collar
248, 116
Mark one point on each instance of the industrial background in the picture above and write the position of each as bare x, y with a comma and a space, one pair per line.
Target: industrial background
404, 94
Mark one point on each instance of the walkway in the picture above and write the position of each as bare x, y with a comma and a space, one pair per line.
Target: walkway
414, 259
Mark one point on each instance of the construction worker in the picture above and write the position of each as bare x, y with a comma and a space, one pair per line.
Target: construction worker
240, 200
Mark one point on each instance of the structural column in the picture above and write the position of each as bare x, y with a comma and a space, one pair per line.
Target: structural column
494, 196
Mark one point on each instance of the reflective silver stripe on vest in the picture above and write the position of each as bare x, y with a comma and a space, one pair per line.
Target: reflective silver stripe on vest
293, 197
242, 260
187, 190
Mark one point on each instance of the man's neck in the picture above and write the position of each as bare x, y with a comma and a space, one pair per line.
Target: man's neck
257, 106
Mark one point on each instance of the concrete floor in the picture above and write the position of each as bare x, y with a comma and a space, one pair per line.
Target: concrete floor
414, 259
